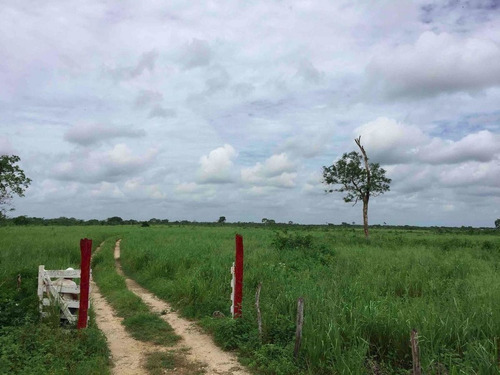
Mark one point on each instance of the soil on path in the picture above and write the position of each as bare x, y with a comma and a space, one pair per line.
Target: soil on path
128, 354
201, 346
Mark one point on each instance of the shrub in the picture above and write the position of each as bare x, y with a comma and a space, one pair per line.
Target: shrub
285, 241
274, 359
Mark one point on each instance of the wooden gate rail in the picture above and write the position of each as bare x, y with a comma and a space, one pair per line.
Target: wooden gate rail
50, 294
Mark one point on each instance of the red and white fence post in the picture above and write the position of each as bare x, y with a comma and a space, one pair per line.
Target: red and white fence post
85, 250
237, 281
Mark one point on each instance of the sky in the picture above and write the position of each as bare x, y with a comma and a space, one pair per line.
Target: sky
192, 110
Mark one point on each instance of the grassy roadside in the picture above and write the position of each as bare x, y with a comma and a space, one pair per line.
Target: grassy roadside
31, 346
142, 324
363, 298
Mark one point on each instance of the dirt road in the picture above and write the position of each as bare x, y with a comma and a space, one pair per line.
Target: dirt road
128, 354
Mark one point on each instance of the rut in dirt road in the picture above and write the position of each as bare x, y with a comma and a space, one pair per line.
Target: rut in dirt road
127, 353
201, 346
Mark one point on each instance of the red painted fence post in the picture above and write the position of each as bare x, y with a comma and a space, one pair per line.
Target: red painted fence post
85, 250
238, 275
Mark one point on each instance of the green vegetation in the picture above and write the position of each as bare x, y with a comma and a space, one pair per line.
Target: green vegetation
71, 221
363, 298
157, 363
28, 346
138, 320
13, 181
34, 348
360, 183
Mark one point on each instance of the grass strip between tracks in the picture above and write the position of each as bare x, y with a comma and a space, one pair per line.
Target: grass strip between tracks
139, 321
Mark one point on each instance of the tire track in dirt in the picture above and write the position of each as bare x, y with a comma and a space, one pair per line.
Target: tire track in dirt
127, 353
201, 346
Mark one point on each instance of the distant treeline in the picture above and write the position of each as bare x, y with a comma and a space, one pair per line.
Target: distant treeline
70, 221
116, 220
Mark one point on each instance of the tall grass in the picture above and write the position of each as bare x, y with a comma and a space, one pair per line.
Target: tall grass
28, 346
362, 297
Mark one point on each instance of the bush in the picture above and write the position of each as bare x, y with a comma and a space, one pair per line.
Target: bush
274, 359
40, 349
285, 241
231, 333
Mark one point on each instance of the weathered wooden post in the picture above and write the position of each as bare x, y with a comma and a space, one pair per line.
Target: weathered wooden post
257, 306
85, 251
300, 323
238, 278
415, 353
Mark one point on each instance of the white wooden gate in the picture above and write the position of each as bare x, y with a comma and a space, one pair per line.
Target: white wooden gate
50, 294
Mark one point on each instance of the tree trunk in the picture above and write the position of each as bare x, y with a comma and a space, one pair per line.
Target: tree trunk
365, 216
366, 193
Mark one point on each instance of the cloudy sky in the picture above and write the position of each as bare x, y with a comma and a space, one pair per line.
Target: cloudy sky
198, 109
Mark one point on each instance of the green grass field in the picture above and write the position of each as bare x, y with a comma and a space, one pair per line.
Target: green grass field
362, 298
28, 346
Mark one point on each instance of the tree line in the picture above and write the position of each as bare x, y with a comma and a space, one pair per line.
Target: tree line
69, 221
352, 174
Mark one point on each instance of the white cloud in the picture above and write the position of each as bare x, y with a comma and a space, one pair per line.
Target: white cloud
314, 184
390, 142
133, 184
481, 146
243, 89
86, 134
305, 145
137, 187
155, 192
216, 167
186, 187
437, 63
195, 193
218, 79
148, 97
196, 54
5, 146
259, 190
276, 171
285, 180
121, 154
48, 190
276, 165
159, 111
107, 190
471, 174
196, 76
308, 72
107, 166
146, 63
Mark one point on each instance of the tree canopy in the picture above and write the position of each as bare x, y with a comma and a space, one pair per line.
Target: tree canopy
115, 220
13, 181
359, 182
352, 178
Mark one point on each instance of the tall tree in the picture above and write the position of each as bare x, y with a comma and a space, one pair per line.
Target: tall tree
13, 181
358, 178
